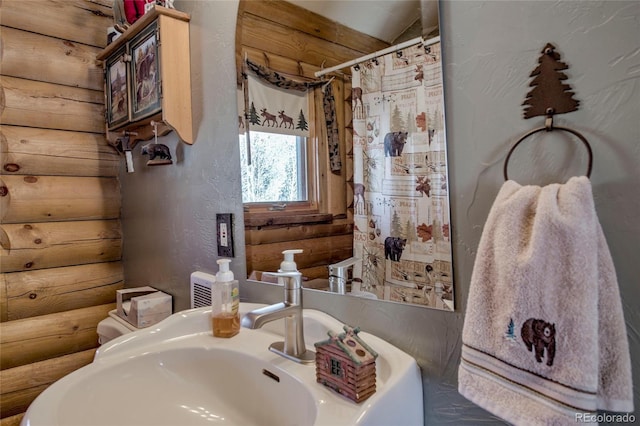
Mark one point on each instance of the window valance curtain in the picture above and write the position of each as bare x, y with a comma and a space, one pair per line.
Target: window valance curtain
277, 104
274, 110
277, 79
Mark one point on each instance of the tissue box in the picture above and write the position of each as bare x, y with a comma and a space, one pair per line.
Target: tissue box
143, 306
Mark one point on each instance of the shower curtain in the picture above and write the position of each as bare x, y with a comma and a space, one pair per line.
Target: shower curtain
400, 179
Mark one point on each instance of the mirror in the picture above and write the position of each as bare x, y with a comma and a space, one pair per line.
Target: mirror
380, 228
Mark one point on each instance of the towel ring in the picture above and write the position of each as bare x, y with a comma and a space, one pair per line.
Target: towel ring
550, 128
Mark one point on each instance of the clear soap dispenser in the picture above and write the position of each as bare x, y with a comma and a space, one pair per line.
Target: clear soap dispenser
225, 302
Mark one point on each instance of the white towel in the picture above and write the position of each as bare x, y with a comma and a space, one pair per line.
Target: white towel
544, 338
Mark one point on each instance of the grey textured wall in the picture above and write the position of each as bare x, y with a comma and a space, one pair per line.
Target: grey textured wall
169, 212
489, 50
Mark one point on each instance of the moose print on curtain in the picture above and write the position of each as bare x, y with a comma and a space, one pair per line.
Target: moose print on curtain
275, 110
401, 197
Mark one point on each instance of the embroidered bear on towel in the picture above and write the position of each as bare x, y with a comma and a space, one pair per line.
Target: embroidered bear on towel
539, 334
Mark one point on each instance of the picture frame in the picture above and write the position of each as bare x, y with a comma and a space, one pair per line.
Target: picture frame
145, 77
117, 93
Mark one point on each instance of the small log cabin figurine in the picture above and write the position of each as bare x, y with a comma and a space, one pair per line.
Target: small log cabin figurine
347, 365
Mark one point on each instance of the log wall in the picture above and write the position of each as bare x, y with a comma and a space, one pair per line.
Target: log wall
60, 234
297, 42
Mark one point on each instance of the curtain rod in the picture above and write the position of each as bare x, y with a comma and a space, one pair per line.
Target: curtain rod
379, 53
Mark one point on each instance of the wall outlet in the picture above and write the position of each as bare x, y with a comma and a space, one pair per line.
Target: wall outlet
224, 230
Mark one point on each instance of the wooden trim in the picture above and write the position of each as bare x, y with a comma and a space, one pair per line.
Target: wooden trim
273, 218
281, 233
336, 182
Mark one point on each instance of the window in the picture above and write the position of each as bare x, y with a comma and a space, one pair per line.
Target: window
283, 175
278, 170
336, 367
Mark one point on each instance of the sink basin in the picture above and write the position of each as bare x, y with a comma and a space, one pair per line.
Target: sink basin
177, 373
194, 385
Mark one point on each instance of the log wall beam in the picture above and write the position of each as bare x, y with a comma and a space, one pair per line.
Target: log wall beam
271, 37
12, 421
38, 57
58, 198
317, 252
44, 337
33, 246
21, 385
46, 291
31, 103
310, 23
33, 151
83, 21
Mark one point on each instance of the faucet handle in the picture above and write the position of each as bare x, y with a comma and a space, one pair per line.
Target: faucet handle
339, 269
345, 263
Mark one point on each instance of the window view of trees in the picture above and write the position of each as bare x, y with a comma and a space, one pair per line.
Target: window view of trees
276, 173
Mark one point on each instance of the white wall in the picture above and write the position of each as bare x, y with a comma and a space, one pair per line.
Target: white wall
490, 47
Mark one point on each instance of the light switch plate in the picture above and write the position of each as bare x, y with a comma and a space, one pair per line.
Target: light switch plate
224, 231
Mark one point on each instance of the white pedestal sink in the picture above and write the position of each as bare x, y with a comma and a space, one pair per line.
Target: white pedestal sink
176, 373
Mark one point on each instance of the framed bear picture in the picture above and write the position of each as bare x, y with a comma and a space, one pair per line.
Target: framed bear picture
117, 81
145, 74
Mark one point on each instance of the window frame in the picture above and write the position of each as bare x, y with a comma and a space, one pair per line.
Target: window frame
313, 182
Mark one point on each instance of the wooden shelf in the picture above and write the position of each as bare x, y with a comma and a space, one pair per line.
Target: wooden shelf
173, 79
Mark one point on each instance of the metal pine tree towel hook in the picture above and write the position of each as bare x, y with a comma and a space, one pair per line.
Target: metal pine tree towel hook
550, 128
548, 97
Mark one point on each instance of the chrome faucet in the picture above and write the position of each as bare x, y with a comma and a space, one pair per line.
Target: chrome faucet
339, 275
293, 347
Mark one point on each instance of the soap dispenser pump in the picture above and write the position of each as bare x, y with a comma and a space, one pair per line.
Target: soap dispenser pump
288, 264
225, 302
